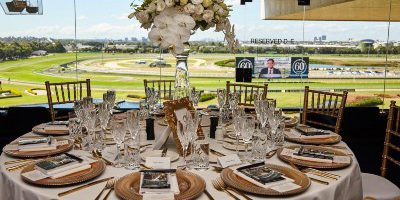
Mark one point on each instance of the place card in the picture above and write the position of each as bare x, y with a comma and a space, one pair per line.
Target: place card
35, 175
158, 162
163, 196
229, 160
341, 159
110, 153
286, 187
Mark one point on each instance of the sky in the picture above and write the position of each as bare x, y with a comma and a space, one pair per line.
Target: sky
101, 19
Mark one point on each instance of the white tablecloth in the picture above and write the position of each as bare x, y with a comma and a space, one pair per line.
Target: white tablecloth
348, 187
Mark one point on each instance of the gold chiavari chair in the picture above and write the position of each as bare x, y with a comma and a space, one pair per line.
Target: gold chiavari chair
379, 187
323, 109
164, 87
66, 92
247, 92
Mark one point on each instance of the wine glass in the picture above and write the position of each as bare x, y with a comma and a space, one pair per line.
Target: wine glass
91, 128
132, 120
238, 126
118, 133
183, 138
247, 133
194, 97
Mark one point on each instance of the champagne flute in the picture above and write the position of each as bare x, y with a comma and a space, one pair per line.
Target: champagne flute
118, 133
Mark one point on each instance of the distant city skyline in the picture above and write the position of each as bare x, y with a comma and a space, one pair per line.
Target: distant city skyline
108, 19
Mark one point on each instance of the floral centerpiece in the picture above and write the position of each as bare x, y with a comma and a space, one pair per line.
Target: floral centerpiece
172, 22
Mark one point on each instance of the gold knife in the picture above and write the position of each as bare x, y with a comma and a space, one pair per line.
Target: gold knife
61, 194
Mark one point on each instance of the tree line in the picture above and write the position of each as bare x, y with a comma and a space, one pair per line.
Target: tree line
23, 49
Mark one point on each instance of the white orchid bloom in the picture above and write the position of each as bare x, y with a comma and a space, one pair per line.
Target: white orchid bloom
161, 5
155, 36
170, 3
185, 21
199, 9
189, 8
208, 15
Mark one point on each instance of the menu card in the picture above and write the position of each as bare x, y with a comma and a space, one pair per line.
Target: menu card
162, 181
59, 166
158, 162
260, 175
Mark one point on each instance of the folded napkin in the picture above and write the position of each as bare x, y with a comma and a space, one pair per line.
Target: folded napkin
293, 133
38, 147
71, 171
55, 128
320, 160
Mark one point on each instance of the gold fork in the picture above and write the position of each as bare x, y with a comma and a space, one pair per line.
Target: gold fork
219, 188
17, 161
109, 185
224, 186
113, 181
19, 166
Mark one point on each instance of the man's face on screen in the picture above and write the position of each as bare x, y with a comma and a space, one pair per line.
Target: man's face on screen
270, 64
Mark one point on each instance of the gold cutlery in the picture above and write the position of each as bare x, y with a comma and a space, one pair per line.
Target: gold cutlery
319, 181
324, 173
145, 166
109, 185
17, 161
61, 194
335, 147
224, 186
19, 166
216, 152
111, 189
217, 169
210, 197
320, 175
219, 188
271, 153
97, 154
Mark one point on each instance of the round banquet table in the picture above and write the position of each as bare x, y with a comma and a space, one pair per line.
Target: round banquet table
348, 187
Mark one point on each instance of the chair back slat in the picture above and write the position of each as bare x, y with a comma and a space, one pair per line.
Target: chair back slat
390, 145
246, 91
164, 87
319, 103
62, 92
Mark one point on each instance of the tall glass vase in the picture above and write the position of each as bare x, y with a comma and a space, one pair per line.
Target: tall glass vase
182, 84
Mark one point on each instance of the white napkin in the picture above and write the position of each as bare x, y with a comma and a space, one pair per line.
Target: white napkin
293, 133
55, 128
162, 139
71, 171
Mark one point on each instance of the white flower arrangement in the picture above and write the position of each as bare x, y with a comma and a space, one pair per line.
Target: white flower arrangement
172, 22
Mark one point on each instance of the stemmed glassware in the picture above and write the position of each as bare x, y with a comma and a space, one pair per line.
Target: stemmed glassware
247, 133
238, 124
132, 120
194, 96
109, 97
234, 99
91, 117
104, 117
152, 98
118, 133
183, 138
75, 131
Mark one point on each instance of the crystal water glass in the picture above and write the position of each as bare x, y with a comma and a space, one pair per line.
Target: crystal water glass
194, 97
234, 99
109, 97
184, 139
132, 153
91, 128
221, 95
247, 134
133, 120
75, 131
258, 151
201, 152
118, 133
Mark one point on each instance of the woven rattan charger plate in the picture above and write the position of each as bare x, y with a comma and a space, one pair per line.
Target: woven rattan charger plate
318, 165
191, 186
235, 181
96, 170
36, 154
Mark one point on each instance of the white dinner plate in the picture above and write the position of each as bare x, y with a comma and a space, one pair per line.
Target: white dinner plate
157, 153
